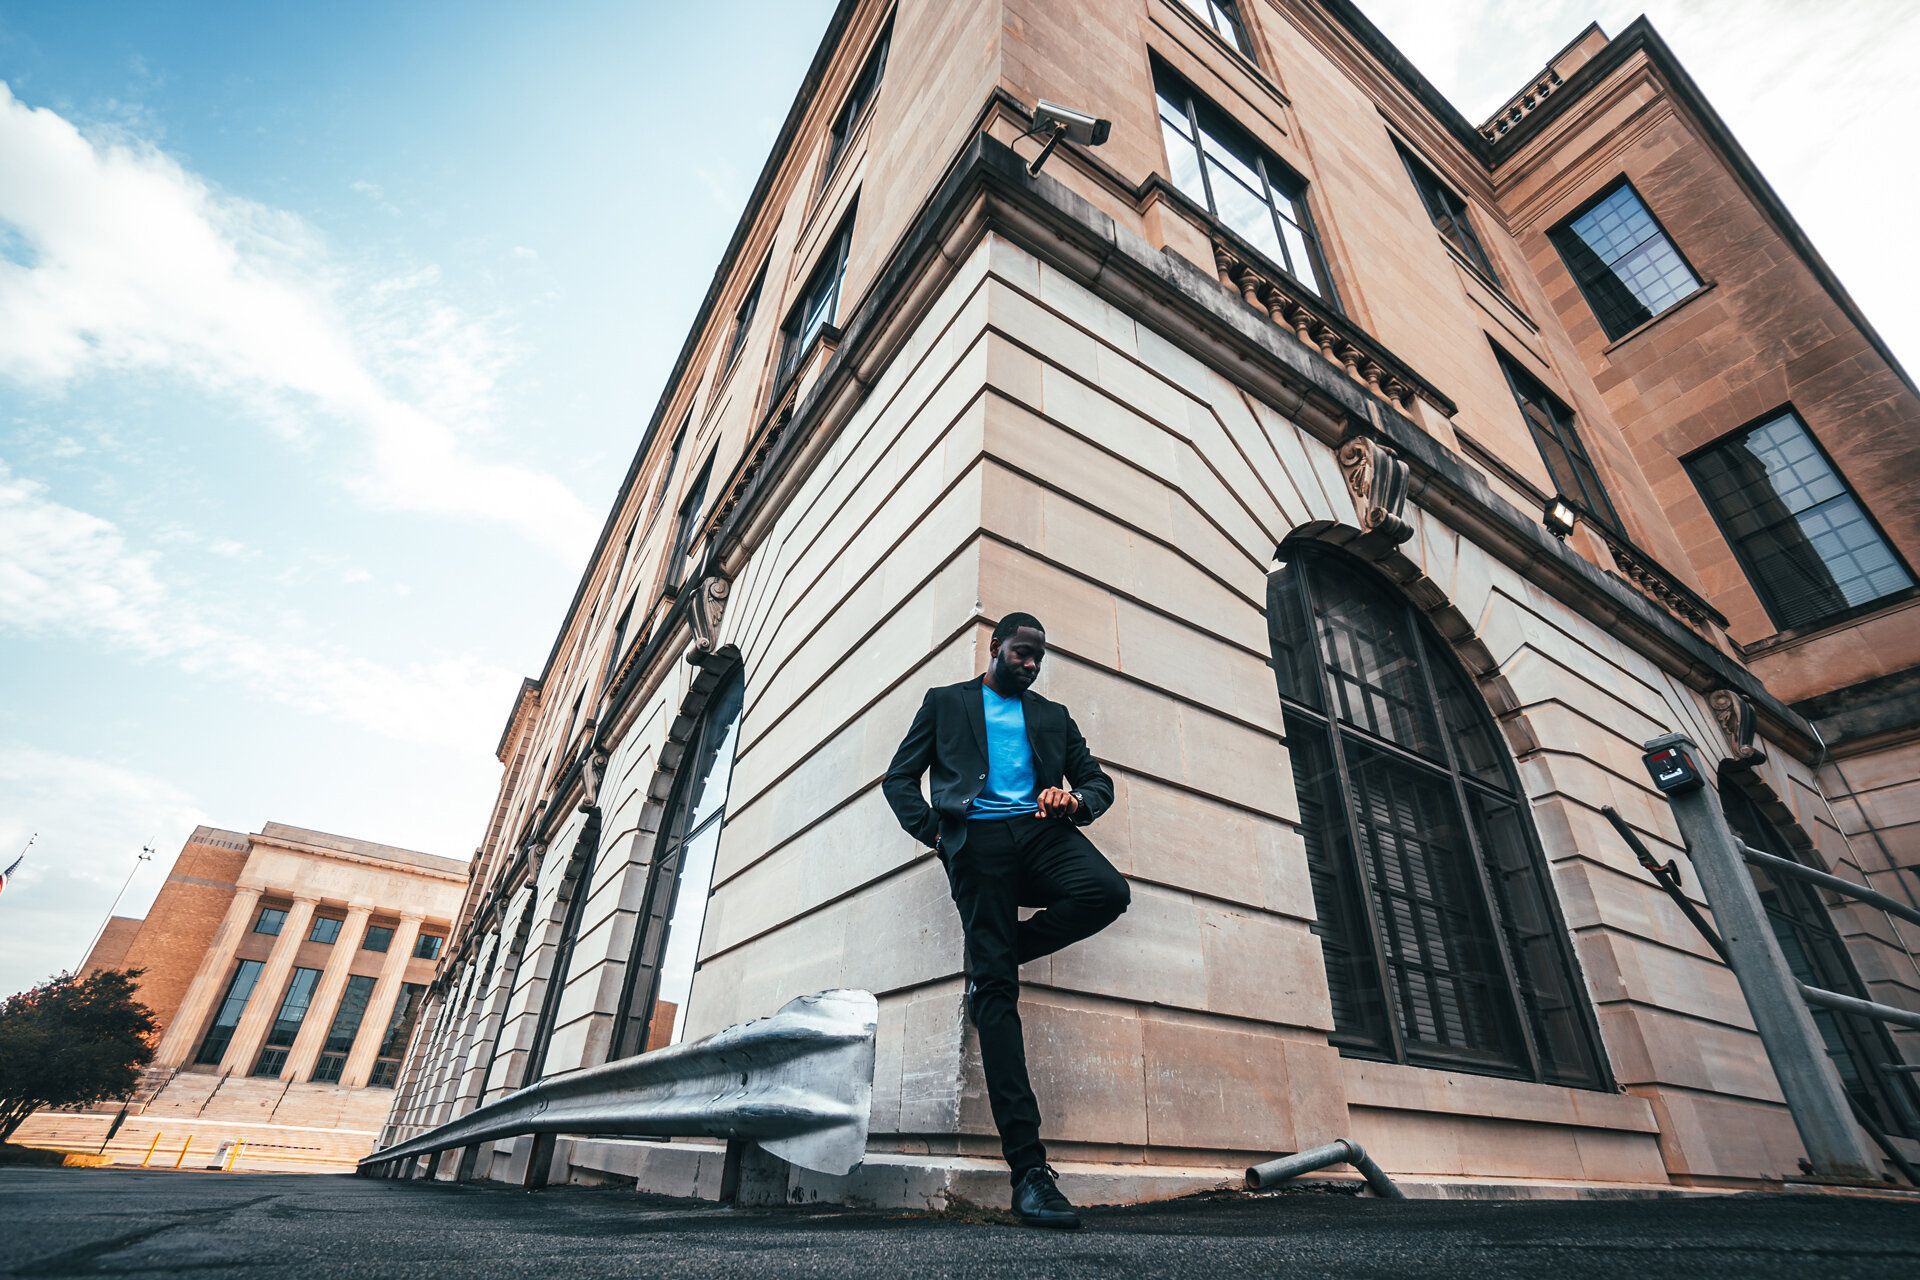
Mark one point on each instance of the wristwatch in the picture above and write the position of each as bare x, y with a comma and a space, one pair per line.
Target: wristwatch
1079, 803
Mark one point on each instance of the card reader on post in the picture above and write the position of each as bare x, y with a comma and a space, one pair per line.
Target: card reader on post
1673, 771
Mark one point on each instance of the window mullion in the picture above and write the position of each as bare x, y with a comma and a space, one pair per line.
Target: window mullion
1496, 919
1390, 1005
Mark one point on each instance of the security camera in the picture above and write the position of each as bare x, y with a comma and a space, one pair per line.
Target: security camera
1088, 131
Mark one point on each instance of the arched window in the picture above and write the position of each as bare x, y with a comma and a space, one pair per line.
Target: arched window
666, 942
1443, 944
1818, 957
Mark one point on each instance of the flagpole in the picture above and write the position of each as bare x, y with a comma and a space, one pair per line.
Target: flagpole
145, 855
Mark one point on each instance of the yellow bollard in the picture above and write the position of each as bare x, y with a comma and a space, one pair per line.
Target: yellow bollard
150, 1147
177, 1160
234, 1155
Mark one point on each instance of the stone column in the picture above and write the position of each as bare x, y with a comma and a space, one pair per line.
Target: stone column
380, 1008
182, 1036
268, 991
326, 997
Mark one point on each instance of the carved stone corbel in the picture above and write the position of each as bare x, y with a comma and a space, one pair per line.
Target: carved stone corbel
1377, 483
709, 603
591, 775
1734, 711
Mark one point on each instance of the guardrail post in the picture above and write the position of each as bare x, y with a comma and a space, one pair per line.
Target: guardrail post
539, 1161
1807, 1077
752, 1176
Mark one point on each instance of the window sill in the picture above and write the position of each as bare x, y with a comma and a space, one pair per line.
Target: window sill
1706, 287
1487, 282
1853, 617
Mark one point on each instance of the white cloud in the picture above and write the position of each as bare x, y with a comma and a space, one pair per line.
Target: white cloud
91, 817
133, 263
72, 575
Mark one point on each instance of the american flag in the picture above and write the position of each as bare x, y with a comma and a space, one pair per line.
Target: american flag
7, 875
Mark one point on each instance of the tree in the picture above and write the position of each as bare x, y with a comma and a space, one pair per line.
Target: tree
71, 1041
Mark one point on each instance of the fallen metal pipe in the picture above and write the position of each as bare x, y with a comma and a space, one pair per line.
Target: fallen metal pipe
1339, 1151
800, 1083
1838, 884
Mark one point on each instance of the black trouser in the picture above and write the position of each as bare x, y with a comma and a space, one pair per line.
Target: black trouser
1003, 866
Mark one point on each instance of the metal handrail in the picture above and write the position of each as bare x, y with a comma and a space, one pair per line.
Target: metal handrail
1799, 870
799, 1083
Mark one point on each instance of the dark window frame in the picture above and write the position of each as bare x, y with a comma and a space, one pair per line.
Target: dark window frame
386, 938
320, 923
296, 1005
1237, 37
1562, 432
423, 951
279, 921
214, 1044
344, 1029
1206, 121
743, 314
1563, 237
560, 970
1763, 587
393, 1042
673, 462
1453, 211
639, 995
818, 306
861, 95
1381, 990
692, 508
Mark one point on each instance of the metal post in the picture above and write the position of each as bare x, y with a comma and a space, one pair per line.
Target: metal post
1807, 1077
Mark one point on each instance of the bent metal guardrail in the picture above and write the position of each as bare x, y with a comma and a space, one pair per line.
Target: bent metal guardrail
799, 1083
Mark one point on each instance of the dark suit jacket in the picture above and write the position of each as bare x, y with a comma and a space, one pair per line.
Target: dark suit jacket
948, 737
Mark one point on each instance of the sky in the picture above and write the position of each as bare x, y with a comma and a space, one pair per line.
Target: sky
327, 332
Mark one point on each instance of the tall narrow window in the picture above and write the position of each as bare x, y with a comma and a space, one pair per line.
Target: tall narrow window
1808, 546
346, 1026
1447, 211
1622, 260
1558, 440
393, 1045
616, 650
743, 318
560, 971
859, 98
1443, 944
1224, 17
673, 461
819, 304
286, 1023
1818, 957
1237, 181
232, 1005
692, 507
667, 942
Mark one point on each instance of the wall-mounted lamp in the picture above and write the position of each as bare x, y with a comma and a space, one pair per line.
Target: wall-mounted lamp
1057, 122
1560, 516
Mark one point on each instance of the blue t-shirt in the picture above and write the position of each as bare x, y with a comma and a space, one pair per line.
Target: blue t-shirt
1010, 790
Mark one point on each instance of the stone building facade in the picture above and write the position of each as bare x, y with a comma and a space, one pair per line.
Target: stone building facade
286, 969
1262, 406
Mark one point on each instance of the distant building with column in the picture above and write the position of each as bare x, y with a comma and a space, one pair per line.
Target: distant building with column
285, 968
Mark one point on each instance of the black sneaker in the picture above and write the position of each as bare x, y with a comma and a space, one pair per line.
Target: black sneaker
1039, 1202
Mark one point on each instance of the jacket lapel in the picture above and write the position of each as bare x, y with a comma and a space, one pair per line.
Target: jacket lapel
1030, 704
976, 711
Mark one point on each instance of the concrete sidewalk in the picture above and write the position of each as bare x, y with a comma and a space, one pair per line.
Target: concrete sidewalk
88, 1222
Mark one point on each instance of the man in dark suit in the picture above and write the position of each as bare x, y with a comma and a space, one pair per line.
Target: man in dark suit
1007, 831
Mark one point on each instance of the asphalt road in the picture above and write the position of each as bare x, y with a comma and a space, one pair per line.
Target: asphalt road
93, 1222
